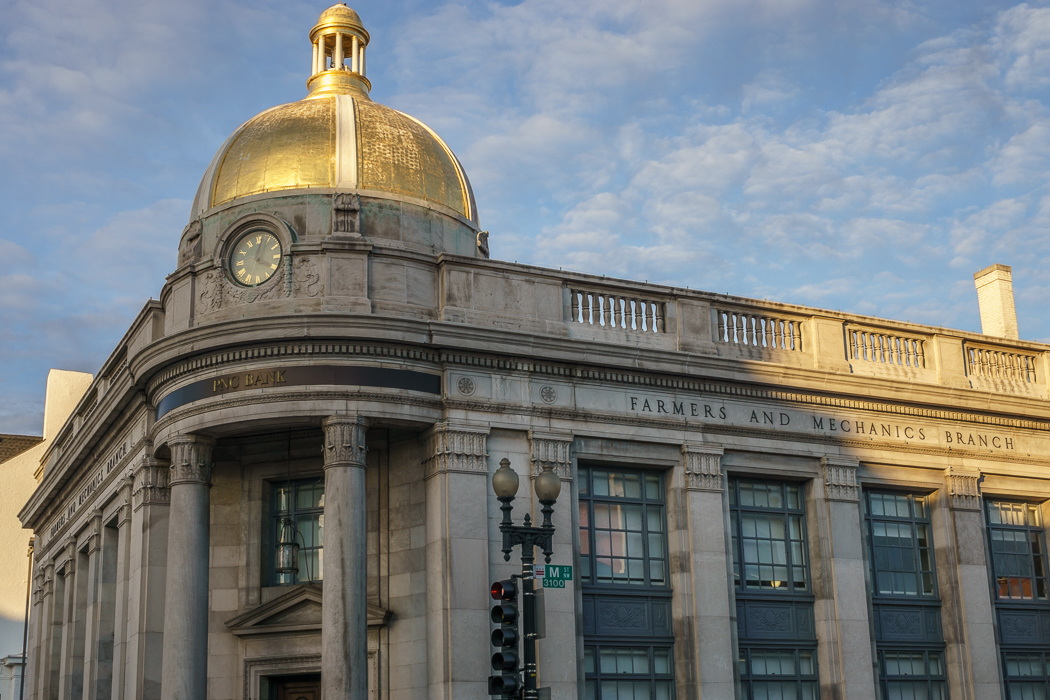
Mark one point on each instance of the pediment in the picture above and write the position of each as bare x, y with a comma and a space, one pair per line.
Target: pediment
298, 610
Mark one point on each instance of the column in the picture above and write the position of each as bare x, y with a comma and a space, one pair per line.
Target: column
337, 55
38, 628
703, 607
558, 653
457, 561
839, 583
185, 667
120, 611
353, 54
147, 574
968, 611
344, 624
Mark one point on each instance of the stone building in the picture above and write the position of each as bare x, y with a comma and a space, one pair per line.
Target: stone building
759, 500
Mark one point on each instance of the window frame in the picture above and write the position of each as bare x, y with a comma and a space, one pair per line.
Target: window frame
273, 524
786, 512
914, 521
748, 678
1039, 532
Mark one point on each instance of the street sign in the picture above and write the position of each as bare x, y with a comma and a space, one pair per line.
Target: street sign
555, 576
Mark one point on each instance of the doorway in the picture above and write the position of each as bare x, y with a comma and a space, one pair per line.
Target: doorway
302, 687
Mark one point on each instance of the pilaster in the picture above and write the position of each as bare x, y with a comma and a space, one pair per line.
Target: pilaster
968, 611
704, 611
344, 625
91, 617
840, 583
558, 655
147, 554
122, 588
457, 495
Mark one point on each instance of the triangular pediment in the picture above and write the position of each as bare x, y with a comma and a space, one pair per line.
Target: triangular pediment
298, 610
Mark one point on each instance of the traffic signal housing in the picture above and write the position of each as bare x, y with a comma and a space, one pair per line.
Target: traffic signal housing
505, 661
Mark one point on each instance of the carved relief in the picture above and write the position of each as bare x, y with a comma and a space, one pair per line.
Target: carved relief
344, 442
455, 450
840, 479
95, 541
1018, 626
307, 280
150, 484
769, 620
190, 459
552, 450
902, 624
217, 292
465, 386
622, 615
71, 557
483, 243
126, 489
346, 213
964, 487
48, 586
190, 248
703, 467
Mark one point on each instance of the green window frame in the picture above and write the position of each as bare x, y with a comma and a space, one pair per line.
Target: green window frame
616, 672
900, 544
302, 502
1018, 546
788, 674
769, 537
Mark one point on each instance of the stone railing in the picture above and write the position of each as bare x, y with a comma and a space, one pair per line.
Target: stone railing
885, 347
758, 330
617, 311
1005, 369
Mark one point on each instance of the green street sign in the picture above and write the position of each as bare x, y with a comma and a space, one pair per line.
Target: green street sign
555, 576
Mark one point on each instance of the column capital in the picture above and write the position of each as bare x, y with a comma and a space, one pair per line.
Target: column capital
551, 449
344, 441
190, 459
964, 487
149, 484
703, 466
452, 447
70, 548
47, 587
840, 478
38, 586
95, 541
127, 488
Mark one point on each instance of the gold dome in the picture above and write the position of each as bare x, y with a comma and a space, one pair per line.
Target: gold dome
337, 138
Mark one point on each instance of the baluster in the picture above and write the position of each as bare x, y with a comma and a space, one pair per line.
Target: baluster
623, 306
909, 352
767, 328
797, 336
658, 314
738, 325
577, 312
722, 326
863, 338
606, 307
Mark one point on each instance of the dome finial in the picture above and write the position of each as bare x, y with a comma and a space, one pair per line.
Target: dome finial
339, 40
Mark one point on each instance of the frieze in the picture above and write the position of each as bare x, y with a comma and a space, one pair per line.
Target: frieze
88, 488
553, 450
451, 448
190, 459
344, 442
703, 467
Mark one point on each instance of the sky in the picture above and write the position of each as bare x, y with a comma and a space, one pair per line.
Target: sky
863, 156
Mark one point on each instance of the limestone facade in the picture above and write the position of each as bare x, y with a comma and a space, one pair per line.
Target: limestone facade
779, 456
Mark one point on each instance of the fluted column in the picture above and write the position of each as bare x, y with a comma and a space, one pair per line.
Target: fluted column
968, 611
185, 669
840, 583
344, 624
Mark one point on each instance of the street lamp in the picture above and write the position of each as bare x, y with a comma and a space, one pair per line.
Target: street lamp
547, 487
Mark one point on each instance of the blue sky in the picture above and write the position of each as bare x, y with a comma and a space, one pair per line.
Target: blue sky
866, 156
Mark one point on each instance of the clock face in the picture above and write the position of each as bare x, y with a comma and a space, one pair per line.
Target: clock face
254, 258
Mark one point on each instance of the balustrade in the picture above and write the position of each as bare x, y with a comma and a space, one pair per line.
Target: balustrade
617, 311
995, 363
758, 330
880, 347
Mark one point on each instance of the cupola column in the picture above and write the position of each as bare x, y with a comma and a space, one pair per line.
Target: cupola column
337, 57
319, 52
344, 624
354, 53
361, 63
185, 666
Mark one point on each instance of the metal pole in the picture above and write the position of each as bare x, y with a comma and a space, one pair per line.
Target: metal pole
528, 638
25, 625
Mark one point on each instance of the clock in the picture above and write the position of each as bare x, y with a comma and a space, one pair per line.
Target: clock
254, 258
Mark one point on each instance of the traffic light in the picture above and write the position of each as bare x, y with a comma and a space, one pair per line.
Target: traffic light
507, 681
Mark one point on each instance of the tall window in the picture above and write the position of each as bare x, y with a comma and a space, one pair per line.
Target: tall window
774, 600
1018, 546
301, 503
904, 596
628, 646
1018, 550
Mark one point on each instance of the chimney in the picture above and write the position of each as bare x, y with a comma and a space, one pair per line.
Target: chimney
995, 297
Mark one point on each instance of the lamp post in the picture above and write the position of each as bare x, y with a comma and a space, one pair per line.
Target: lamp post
529, 536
